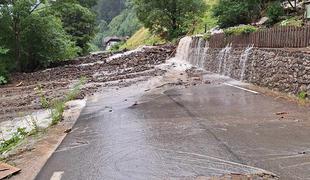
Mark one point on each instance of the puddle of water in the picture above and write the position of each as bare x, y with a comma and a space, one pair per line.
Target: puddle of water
40, 119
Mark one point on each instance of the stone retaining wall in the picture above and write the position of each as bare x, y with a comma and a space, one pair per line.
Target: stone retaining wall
278, 69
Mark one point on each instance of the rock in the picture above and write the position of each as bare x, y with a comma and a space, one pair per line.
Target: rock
68, 131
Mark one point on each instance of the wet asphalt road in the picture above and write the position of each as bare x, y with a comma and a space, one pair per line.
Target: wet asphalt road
206, 130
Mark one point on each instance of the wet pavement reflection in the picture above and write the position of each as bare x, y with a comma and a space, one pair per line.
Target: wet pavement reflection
207, 130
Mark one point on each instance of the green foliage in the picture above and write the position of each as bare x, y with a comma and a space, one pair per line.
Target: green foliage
302, 95
207, 36
124, 24
234, 12
3, 68
3, 51
108, 9
142, 37
292, 21
16, 138
73, 94
43, 100
78, 21
275, 11
88, 3
208, 21
57, 112
45, 41
117, 47
3, 80
170, 18
34, 36
58, 107
238, 30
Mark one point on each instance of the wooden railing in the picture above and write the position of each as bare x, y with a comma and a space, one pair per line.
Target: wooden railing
278, 37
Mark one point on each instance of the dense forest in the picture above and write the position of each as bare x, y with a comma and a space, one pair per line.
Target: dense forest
37, 33
115, 18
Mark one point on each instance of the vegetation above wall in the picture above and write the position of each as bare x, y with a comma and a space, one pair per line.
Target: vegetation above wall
170, 18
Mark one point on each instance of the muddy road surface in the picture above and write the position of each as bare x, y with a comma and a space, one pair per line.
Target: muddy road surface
185, 125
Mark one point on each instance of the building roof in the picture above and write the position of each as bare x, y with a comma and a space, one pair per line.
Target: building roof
113, 38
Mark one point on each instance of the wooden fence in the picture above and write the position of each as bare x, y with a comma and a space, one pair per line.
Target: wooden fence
278, 37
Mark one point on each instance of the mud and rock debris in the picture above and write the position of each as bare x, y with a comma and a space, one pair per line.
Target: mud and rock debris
21, 96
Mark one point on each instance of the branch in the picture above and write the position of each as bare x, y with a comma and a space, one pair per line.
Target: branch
289, 1
35, 7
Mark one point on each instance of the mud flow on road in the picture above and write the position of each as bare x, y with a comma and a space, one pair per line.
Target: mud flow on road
185, 124
151, 118
21, 97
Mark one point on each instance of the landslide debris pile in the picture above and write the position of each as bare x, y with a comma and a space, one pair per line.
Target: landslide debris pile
21, 97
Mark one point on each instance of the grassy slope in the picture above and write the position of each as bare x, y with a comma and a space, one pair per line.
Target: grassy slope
142, 37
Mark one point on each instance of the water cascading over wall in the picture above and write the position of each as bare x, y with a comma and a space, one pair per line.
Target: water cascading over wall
279, 69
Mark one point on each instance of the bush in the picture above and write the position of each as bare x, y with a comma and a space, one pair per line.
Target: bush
117, 47
275, 11
170, 18
142, 37
45, 42
234, 12
302, 95
3, 67
3, 80
207, 36
238, 30
293, 21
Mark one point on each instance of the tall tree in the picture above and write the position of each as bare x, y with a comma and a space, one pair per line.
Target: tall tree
235, 12
17, 18
78, 21
169, 18
108, 9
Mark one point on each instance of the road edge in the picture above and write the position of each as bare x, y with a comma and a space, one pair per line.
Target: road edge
32, 161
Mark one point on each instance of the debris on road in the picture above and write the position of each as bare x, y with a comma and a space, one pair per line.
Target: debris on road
281, 113
7, 170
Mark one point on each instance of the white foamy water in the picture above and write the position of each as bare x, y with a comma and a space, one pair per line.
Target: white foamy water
195, 52
243, 60
40, 119
183, 50
118, 55
222, 59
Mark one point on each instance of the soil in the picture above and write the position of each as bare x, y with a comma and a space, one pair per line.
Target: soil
21, 97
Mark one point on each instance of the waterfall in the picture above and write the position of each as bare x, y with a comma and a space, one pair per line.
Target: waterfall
199, 53
204, 55
243, 60
194, 50
183, 50
222, 58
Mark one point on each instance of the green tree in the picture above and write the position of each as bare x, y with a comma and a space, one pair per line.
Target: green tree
234, 12
78, 21
24, 21
3, 68
124, 24
169, 18
45, 42
108, 9
275, 11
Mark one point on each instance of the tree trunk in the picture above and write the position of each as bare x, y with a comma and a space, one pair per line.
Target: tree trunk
17, 43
